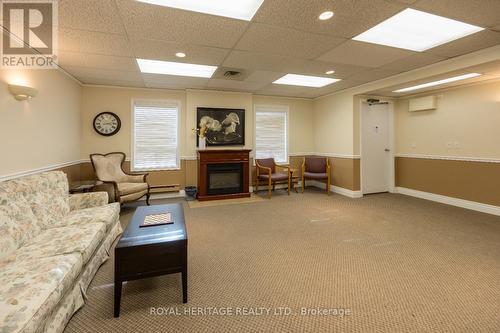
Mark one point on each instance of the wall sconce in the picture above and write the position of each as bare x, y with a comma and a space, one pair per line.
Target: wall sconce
22, 93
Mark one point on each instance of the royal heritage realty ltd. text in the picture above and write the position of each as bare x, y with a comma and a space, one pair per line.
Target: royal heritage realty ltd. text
248, 311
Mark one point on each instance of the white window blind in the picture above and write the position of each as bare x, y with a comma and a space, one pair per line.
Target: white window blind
271, 132
155, 136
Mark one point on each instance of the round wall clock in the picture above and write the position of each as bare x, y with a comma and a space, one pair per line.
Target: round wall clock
107, 123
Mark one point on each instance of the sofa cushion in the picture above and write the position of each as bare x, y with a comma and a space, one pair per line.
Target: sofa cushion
18, 224
47, 194
107, 214
81, 239
130, 188
30, 289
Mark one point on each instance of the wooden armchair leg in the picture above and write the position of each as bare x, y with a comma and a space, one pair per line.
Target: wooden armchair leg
303, 183
328, 186
148, 195
270, 188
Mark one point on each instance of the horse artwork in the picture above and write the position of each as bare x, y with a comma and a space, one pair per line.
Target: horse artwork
221, 127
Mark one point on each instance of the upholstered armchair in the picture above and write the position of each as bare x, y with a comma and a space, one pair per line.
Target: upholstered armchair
266, 171
127, 186
316, 168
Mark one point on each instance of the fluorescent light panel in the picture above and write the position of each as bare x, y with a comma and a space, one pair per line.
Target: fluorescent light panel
237, 9
305, 80
436, 83
417, 31
175, 68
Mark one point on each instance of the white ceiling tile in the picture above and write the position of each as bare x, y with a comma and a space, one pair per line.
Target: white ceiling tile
274, 40
414, 61
485, 13
254, 60
475, 42
161, 50
96, 61
116, 83
319, 68
235, 85
284, 90
92, 15
173, 81
93, 42
364, 54
351, 17
370, 75
103, 74
157, 22
264, 76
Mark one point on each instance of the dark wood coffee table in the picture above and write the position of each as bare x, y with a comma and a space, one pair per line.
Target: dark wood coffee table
151, 251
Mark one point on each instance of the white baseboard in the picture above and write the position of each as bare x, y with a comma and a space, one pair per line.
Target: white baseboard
337, 189
473, 205
167, 195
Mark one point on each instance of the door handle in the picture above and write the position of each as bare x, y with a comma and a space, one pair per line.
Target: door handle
387, 150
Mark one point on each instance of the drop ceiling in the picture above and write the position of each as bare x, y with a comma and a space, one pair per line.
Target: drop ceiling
99, 41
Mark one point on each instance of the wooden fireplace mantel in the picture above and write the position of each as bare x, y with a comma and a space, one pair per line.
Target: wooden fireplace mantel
221, 156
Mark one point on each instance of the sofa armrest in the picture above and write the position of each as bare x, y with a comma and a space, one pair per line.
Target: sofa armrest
87, 200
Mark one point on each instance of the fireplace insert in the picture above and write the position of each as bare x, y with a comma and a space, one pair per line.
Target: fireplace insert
224, 178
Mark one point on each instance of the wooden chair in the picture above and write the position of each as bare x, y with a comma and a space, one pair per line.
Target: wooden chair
127, 186
266, 171
316, 168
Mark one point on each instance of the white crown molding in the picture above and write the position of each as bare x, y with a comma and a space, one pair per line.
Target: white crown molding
473, 205
450, 158
38, 170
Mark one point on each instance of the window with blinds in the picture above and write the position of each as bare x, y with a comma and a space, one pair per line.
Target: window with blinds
155, 136
271, 132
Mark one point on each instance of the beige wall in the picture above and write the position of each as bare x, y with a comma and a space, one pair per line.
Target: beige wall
301, 122
43, 131
97, 99
465, 124
333, 124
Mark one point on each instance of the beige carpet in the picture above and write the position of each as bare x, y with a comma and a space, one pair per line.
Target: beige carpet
212, 203
398, 264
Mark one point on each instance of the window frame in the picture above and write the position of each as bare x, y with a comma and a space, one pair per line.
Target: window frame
158, 103
273, 108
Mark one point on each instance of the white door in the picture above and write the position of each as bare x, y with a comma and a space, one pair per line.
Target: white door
375, 149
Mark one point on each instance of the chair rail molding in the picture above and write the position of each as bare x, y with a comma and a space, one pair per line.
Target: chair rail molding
450, 158
38, 170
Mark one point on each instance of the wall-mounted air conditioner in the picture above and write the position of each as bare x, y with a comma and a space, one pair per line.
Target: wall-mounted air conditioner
423, 103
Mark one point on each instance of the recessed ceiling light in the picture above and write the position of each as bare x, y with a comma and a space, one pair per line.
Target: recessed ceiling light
180, 55
305, 80
329, 72
241, 9
326, 15
417, 31
175, 68
436, 83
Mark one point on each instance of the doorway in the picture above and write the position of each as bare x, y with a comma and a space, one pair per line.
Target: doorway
377, 158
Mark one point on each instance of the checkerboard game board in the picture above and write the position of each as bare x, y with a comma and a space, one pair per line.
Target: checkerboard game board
157, 219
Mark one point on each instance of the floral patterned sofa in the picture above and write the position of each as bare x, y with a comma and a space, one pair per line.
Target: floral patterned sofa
51, 245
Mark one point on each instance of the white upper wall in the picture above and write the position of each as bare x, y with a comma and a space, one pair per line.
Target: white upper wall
43, 131
466, 123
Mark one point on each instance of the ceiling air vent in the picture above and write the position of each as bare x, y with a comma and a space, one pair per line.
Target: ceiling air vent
231, 74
